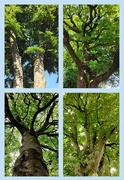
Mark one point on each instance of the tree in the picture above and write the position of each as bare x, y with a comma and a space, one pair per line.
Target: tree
31, 44
31, 122
91, 42
91, 134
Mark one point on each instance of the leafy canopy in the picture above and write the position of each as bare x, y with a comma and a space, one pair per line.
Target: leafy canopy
39, 114
95, 116
36, 31
94, 37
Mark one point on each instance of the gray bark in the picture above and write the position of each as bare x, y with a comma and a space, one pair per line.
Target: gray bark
39, 76
18, 72
30, 161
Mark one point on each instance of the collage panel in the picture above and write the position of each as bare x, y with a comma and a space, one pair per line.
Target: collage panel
91, 45
31, 134
91, 134
31, 46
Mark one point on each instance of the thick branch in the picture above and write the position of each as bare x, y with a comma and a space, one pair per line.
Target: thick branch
50, 134
73, 28
103, 77
70, 49
9, 115
47, 147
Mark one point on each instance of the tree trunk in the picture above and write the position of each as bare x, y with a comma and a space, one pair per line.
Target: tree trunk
39, 76
81, 81
30, 161
18, 72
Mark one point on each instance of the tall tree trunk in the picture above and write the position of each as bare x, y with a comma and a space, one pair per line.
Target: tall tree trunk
18, 72
39, 76
30, 161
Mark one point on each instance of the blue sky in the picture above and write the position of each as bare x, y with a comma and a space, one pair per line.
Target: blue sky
51, 80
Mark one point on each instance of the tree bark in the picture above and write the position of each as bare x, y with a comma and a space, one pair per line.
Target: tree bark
39, 76
30, 161
18, 72
81, 80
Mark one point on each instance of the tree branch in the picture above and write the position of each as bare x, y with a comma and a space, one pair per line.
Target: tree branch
50, 134
10, 116
50, 148
103, 77
40, 110
70, 49
73, 28
43, 128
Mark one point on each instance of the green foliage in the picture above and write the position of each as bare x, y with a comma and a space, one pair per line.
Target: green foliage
24, 107
12, 144
94, 36
11, 22
34, 50
36, 31
94, 113
69, 78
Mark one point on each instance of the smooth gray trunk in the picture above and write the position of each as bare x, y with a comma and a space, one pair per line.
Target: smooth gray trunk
18, 72
39, 76
30, 161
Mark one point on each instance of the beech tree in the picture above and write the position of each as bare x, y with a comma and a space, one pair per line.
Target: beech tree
91, 134
31, 134
91, 45
31, 44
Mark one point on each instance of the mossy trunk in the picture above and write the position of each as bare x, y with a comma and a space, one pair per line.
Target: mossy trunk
30, 162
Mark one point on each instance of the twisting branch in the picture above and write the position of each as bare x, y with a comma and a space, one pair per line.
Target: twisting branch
73, 28
10, 116
43, 128
27, 109
40, 110
103, 77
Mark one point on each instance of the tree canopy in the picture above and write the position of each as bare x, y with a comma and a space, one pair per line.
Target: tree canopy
35, 29
36, 114
91, 45
91, 134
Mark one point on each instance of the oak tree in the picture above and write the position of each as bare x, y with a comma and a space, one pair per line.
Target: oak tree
91, 45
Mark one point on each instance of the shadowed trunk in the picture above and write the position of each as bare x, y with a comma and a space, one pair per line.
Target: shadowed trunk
18, 72
81, 80
39, 76
30, 161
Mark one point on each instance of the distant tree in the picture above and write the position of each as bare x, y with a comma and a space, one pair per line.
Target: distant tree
31, 134
91, 42
91, 134
31, 44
